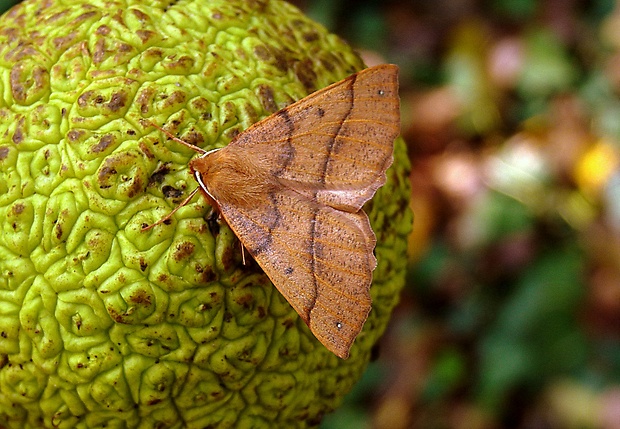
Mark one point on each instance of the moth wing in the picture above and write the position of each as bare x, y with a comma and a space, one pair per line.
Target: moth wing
321, 259
337, 143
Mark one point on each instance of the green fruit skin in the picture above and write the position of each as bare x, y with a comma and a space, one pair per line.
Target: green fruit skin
105, 326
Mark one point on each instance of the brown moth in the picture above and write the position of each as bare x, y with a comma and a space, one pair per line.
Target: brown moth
292, 187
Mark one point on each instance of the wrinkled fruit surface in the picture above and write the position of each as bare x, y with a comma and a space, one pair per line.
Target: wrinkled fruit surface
105, 326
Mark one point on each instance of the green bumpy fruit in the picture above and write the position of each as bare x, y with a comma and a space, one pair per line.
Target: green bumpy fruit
103, 325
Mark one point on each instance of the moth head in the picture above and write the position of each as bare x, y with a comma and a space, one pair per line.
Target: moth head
227, 179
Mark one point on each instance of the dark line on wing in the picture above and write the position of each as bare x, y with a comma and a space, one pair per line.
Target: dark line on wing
332, 141
285, 160
271, 226
330, 149
289, 151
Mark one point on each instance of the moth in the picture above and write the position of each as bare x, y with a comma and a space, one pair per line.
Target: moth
292, 187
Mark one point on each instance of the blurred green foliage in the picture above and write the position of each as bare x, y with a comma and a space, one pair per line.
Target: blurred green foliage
6, 4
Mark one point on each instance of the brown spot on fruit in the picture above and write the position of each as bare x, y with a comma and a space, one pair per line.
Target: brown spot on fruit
200, 103
262, 312
123, 173
62, 43
103, 144
136, 187
145, 35
306, 75
83, 17
183, 63
145, 99
75, 135
115, 316
141, 297
84, 98
18, 135
99, 52
143, 17
311, 36
207, 274
58, 228
106, 173
117, 101
146, 151
231, 133
262, 53
245, 300
177, 97
27, 80
171, 191
228, 258
194, 138
18, 208
265, 92
184, 250
103, 30
159, 175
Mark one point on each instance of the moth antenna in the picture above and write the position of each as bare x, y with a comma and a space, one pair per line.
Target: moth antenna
178, 140
169, 215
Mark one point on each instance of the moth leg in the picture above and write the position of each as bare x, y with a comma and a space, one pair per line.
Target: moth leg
213, 218
242, 253
178, 140
169, 215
